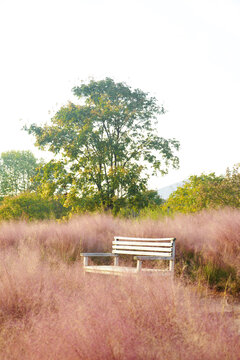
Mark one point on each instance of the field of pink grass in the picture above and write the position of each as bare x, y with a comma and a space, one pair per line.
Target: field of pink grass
50, 310
215, 235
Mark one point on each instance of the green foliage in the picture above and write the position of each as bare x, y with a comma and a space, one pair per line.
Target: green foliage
217, 275
195, 268
152, 212
105, 143
141, 203
16, 171
205, 192
52, 179
30, 206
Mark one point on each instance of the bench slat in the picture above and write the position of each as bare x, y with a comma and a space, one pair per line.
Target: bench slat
142, 243
141, 253
143, 239
142, 258
123, 247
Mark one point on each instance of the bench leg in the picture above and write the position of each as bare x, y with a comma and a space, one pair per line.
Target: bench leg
85, 261
139, 265
171, 265
116, 262
171, 268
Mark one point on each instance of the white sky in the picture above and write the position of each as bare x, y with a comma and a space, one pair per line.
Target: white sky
184, 52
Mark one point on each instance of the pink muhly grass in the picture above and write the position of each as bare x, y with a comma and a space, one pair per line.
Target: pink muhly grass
215, 234
209, 232
212, 235
49, 310
57, 313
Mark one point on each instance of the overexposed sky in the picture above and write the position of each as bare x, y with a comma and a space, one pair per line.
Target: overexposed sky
184, 52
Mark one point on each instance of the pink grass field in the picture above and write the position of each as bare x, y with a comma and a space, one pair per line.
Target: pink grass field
50, 310
213, 234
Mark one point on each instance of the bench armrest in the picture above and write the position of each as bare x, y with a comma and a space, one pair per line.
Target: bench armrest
97, 254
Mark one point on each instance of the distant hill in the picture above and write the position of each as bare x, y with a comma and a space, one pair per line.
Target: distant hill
166, 191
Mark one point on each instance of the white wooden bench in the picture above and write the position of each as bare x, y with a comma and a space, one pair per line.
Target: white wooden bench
141, 248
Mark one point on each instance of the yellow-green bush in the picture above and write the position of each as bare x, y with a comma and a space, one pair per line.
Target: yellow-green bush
205, 192
30, 206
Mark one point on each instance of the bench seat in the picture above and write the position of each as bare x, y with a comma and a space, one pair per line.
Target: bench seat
122, 270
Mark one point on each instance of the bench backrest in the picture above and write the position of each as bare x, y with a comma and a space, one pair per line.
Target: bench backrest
162, 247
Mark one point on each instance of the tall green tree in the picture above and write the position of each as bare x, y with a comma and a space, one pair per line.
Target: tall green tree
16, 171
108, 142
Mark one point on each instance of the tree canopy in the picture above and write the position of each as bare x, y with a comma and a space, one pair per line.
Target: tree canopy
106, 142
16, 171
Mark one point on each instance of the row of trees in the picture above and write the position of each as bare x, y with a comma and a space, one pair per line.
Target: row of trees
105, 147
28, 190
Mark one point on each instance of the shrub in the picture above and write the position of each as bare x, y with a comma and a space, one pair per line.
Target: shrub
205, 192
30, 206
